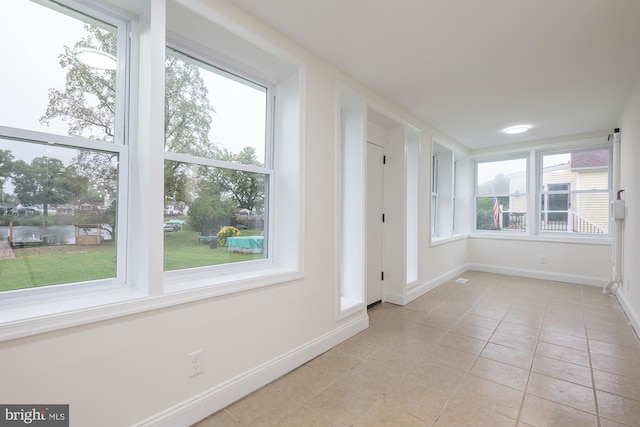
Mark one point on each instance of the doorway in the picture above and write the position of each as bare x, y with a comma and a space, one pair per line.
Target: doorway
375, 218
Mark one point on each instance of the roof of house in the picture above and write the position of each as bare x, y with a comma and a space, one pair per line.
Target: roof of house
589, 159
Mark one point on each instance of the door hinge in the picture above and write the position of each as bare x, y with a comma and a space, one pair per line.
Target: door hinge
382, 217
384, 160
382, 275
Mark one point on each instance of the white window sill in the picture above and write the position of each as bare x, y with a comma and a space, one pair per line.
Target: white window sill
22, 317
206, 285
348, 306
543, 238
435, 241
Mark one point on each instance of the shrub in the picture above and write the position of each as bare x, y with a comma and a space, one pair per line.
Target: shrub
226, 232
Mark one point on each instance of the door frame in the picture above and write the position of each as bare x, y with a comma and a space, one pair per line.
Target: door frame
371, 220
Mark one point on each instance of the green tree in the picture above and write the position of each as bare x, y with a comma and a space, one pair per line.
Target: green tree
95, 175
87, 104
210, 206
245, 188
187, 119
187, 124
6, 167
484, 212
43, 182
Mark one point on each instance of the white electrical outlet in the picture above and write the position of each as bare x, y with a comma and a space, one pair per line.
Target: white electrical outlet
543, 259
195, 363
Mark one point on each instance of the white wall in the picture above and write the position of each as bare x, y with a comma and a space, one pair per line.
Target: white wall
629, 295
584, 263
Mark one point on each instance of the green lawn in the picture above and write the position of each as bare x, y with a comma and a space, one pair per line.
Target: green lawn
183, 250
48, 265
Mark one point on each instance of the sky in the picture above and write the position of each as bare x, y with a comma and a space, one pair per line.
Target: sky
488, 171
30, 49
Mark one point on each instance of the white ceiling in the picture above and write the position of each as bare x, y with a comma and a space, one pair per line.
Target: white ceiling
471, 68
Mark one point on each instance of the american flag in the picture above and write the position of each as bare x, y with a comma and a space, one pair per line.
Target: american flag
496, 212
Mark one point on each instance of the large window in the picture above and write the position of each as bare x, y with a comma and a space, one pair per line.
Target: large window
217, 167
575, 192
91, 197
62, 144
501, 195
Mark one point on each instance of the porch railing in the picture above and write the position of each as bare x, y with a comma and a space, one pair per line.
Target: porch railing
581, 224
574, 223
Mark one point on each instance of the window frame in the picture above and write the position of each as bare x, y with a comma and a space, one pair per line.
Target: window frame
542, 192
448, 207
525, 196
174, 45
144, 286
120, 146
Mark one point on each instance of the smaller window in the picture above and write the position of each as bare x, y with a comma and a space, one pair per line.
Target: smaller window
443, 183
455, 190
434, 194
575, 192
501, 195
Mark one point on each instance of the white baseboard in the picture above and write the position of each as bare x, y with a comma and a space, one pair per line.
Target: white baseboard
422, 288
632, 315
200, 406
543, 275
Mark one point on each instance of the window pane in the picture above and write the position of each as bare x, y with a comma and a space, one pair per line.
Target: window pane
586, 213
212, 113
501, 213
575, 192
219, 217
48, 87
591, 213
502, 177
501, 195
57, 214
582, 170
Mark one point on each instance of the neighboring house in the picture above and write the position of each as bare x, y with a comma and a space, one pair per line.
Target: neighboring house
27, 211
172, 209
591, 169
7, 209
566, 203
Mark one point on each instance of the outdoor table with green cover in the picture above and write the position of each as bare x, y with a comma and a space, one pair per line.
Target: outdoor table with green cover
245, 244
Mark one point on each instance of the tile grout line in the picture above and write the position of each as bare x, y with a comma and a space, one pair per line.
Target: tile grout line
593, 378
535, 349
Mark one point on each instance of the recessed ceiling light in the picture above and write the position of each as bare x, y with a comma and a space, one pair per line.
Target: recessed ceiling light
95, 58
516, 129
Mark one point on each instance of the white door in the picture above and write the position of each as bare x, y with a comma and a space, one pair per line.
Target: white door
375, 200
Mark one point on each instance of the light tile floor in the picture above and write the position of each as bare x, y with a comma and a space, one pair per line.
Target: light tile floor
495, 351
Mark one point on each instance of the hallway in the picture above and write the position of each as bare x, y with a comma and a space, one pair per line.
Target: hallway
494, 351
